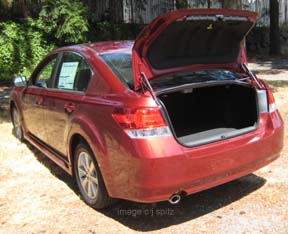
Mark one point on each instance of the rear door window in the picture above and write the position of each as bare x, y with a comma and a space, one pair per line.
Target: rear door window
74, 73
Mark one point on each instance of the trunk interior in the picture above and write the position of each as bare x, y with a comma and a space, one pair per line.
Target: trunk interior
205, 114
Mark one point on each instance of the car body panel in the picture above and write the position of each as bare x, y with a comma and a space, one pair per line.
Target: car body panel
56, 115
144, 169
33, 111
160, 170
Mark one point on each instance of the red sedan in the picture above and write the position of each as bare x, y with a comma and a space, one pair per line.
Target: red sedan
173, 113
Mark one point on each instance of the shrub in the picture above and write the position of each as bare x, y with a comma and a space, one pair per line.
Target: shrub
64, 20
22, 46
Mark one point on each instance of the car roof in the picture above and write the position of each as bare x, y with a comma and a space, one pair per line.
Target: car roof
102, 47
111, 46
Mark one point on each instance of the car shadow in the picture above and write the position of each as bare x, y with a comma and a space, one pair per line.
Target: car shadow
53, 167
149, 217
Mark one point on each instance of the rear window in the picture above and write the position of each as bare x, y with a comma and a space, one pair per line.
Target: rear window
121, 64
195, 77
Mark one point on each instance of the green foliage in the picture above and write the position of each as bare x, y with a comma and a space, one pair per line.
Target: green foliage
22, 47
180, 4
64, 20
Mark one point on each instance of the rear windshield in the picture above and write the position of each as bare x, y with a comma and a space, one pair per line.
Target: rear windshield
195, 77
121, 64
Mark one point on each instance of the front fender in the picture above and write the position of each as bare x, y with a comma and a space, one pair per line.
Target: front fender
16, 100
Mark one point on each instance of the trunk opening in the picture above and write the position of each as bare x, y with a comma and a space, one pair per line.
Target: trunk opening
205, 114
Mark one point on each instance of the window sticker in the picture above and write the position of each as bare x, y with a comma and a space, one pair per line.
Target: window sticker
67, 75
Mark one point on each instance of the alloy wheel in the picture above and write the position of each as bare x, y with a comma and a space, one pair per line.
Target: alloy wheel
87, 175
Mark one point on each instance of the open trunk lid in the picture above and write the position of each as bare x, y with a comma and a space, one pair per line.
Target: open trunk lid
181, 40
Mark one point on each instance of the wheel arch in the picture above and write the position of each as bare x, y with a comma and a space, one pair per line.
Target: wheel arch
74, 140
12, 105
82, 137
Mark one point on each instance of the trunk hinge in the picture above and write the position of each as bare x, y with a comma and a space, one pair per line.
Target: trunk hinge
145, 85
246, 69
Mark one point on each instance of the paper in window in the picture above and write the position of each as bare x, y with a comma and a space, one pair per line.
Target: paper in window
67, 75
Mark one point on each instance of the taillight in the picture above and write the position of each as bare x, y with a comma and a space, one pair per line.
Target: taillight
271, 100
141, 122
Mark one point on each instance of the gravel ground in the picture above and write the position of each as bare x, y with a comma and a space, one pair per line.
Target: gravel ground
38, 197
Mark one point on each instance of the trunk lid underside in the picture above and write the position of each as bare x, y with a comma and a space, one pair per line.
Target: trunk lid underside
184, 38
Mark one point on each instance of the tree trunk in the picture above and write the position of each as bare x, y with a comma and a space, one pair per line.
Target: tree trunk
5, 4
274, 28
24, 11
5, 9
235, 4
286, 13
208, 4
116, 11
20, 9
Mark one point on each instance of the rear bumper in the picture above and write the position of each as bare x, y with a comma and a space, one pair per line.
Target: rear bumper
150, 194
153, 170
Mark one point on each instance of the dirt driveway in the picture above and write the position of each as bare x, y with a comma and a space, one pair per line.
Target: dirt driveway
38, 197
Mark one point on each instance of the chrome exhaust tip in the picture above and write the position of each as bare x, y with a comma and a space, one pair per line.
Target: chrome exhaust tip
174, 199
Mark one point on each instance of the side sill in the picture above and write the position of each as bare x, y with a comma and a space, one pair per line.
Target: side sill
50, 153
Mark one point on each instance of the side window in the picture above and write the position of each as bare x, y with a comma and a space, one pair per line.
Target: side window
44, 77
74, 73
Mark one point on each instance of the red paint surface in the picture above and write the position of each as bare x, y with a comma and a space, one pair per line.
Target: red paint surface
146, 170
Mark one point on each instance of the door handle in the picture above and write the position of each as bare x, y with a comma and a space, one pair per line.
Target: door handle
39, 101
69, 107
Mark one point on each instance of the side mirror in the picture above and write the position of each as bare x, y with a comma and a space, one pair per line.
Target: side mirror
41, 83
20, 81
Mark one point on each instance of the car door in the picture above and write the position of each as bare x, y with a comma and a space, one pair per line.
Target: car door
71, 81
33, 97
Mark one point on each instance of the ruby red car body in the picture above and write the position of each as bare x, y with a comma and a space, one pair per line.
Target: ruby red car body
139, 169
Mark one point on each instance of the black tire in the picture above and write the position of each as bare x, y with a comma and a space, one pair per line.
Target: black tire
86, 178
17, 126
